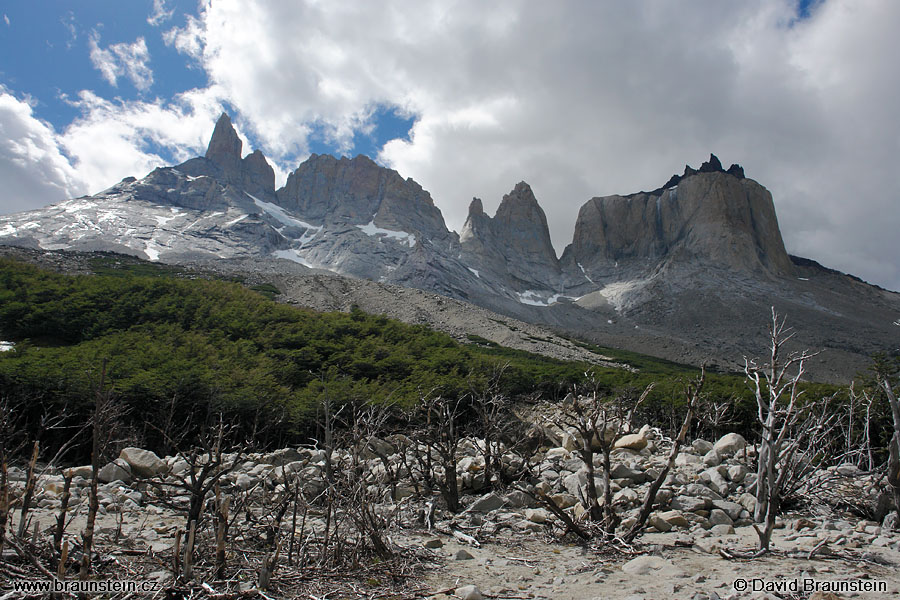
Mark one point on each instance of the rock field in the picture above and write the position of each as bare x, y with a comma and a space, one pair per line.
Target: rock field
504, 544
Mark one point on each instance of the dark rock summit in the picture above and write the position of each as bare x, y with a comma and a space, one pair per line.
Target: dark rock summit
225, 148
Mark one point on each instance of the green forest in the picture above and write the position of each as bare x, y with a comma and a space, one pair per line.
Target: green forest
178, 348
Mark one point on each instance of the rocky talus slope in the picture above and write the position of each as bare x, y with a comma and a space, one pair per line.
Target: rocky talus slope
688, 271
498, 545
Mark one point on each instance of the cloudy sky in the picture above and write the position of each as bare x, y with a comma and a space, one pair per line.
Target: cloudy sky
578, 98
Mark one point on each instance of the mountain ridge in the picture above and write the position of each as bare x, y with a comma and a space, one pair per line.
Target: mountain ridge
636, 262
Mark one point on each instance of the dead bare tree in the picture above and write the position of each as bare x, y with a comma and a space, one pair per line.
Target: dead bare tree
786, 425
599, 422
692, 393
498, 427
859, 446
439, 435
885, 373
105, 414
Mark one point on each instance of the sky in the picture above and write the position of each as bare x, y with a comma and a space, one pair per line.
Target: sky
579, 98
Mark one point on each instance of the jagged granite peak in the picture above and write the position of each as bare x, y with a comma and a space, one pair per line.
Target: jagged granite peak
225, 147
521, 223
257, 175
713, 165
358, 191
709, 218
514, 246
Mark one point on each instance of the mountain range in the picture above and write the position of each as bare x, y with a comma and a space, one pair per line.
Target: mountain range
687, 271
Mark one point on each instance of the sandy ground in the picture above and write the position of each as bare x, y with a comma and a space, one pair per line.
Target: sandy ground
530, 567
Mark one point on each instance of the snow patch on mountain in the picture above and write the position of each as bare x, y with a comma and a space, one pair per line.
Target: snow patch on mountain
293, 255
371, 230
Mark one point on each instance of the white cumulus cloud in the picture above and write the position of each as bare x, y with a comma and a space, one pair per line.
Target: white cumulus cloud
116, 139
160, 13
33, 169
122, 60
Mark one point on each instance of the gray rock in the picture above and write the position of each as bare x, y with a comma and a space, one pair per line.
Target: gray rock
622, 471
632, 441
732, 509
684, 459
538, 515
85, 472
463, 554
701, 491
283, 457
643, 565
117, 470
737, 473
468, 592
689, 503
674, 518
721, 529
225, 148
712, 458
730, 444
701, 446
715, 480
143, 463
659, 523
487, 503
717, 516
519, 499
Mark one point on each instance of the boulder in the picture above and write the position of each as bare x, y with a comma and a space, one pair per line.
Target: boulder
659, 523
717, 516
282, 457
564, 501
737, 473
468, 592
684, 459
689, 503
622, 471
117, 470
143, 463
537, 515
732, 509
487, 503
730, 444
632, 441
519, 499
643, 565
701, 446
712, 458
85, 472
674, 518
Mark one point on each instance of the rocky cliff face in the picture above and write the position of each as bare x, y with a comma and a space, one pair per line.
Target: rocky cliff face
707, 218
513, 248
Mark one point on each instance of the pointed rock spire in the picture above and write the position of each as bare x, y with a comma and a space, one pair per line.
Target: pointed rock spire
225, 147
